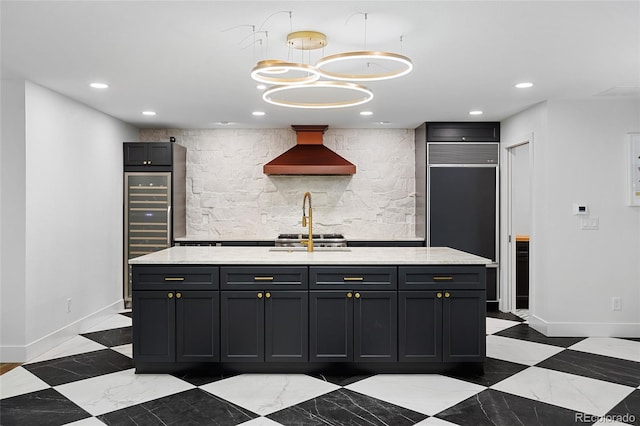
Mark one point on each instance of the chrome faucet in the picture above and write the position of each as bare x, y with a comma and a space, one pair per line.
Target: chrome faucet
309, 241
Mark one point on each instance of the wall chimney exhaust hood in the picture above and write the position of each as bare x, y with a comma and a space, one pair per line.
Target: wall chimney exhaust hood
309, 156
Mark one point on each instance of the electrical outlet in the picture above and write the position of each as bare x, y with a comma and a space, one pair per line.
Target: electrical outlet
68, 305
616, 304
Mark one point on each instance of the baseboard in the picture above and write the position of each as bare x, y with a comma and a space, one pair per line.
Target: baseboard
584, 329
53, 339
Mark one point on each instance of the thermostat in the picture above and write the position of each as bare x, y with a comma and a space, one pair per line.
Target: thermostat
580, 209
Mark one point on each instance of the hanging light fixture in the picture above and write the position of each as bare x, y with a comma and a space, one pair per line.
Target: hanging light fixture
294, 79
363, 95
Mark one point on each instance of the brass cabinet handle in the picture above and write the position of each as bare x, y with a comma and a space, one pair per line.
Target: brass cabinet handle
357, 295
352, 279
149, 162
178, 295
439, 295
170, 295
446, 294
144, 162
442, 278
349, 295
174, 278
259, 295
267, 295
263, 278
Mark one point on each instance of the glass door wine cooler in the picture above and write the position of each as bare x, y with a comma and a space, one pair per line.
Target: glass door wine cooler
147, 221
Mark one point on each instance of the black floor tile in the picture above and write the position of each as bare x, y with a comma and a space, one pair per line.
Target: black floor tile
112, 337
595, 366
345, 407
201, 378
504, 315
524, 332
495, 370
192, 407
494, 408
79, 367
628, 411
45, 407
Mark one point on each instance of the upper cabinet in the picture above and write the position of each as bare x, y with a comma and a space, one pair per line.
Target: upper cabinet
463, 132
148, 154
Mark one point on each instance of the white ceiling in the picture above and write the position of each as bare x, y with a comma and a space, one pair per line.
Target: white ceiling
190, 61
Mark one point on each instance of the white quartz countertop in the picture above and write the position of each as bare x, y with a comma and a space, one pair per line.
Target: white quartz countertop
268, 256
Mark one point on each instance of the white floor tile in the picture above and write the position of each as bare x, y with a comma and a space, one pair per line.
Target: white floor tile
115, 321
609, 346
91, 421
424, 393
434, 421
495, 324
519, 351
124, 349
19, 381
578, 393
103, 394
260, 421
74, 346
267, 393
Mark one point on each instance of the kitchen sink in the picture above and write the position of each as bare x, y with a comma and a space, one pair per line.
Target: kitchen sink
291, 249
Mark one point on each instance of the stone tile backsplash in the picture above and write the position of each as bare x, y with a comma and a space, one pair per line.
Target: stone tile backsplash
229, 197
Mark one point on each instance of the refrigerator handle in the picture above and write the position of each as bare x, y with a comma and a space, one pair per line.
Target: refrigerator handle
169, 226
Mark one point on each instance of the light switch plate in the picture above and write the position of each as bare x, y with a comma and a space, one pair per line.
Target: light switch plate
590, 224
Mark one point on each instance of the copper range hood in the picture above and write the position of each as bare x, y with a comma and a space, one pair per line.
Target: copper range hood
309, 156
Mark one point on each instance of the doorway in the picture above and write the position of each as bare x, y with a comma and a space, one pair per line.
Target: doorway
517, 296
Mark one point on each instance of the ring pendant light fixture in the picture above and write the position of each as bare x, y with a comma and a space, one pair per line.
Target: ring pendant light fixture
294, 78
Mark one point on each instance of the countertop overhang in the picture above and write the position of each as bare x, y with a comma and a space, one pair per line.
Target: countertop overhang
185, 255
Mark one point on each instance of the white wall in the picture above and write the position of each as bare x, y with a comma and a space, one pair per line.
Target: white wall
73, 214
229, 197
580, 155
12, 217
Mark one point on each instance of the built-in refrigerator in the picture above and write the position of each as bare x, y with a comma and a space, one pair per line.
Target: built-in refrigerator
154, 200
457, 203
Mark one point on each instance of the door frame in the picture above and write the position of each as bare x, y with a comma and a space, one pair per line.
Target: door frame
507, 299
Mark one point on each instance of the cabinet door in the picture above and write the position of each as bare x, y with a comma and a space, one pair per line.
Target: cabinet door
197, 326
135, 154
286, 331
242, 326
154, 326
463, 132
420, 326
159, 153
375, 326
464, 326
330, 326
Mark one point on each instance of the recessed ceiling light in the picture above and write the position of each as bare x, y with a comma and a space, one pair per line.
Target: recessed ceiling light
148, 113
524, 85
258, 113
99, 85
261, 86
366, 113
475, 112
224, 123
384, 122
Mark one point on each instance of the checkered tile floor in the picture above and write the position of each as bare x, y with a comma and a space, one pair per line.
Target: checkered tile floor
529, 379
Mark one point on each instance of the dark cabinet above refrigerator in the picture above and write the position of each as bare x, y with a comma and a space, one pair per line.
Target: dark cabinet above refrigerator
463, 131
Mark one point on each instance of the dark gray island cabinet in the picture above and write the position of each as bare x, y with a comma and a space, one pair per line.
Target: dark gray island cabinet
307, 315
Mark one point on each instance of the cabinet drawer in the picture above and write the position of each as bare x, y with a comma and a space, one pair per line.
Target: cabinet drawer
435, 277
352, 277
175, 277
264, 277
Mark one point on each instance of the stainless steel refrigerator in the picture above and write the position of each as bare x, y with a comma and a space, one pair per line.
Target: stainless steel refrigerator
154, 200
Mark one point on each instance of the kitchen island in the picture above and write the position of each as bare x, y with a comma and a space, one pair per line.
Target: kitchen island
269, 309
